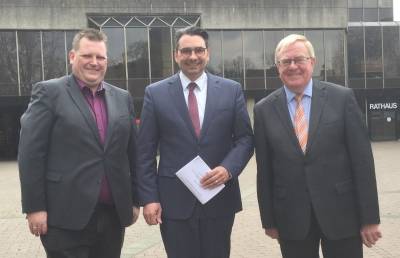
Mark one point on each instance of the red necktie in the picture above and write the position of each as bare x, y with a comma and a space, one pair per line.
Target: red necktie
193, 109
300, 123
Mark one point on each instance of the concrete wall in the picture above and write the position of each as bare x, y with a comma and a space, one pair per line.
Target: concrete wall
222, 14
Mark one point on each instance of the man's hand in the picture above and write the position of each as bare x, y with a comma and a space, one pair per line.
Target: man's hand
37, 222
136, 212
370, 234
272, 233
215, 177
152, 213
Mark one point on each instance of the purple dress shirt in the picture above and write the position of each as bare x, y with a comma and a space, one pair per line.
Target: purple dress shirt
98, 109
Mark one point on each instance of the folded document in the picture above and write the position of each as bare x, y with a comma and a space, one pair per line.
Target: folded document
191, 174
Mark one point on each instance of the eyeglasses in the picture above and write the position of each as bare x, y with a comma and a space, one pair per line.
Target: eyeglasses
187, 51
300, 60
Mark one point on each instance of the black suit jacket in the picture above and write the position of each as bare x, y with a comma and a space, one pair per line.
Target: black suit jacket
62, 160
336, 175
226, 139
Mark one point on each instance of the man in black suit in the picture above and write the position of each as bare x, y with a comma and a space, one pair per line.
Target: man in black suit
315, 170
76, 158
219, 131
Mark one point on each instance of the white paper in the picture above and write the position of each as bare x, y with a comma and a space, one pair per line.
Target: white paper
191, 174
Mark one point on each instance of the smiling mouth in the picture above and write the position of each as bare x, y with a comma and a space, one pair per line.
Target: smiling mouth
93, 71
294, 75
197, 63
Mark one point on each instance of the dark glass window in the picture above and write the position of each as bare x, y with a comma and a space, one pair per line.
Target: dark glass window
391, 56
138, 60
316, 37
8, 64
30, 60
385, 14
116, 71
356, 65
140, 48
373, 57
355, 14
271, 40
371, 11
355, 10
371, 14
334, 56
253, 60
215, 48
161, 53
232, 52
54, 56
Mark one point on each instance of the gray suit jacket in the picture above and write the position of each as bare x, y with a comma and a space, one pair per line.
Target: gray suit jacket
336, 175
61, 158
226, 139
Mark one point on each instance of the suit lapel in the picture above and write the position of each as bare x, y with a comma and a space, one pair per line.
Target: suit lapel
178, 98
318, 101
281, 108
112, 109
211, 102
80, 102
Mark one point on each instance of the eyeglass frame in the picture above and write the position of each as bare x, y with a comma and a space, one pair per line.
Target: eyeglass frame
198, 51
299, 60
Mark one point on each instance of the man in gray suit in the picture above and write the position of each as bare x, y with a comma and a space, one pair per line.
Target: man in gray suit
193, 113
315, 170
76, 158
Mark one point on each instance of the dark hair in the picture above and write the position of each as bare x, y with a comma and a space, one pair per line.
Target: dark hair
191, 31
90, 34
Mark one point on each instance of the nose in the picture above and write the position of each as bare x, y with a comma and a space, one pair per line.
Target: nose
93, 60
292, 64
192, 55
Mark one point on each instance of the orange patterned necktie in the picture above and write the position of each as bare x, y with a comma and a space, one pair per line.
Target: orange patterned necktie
300, 123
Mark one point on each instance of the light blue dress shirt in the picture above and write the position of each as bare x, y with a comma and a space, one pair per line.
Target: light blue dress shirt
305, 101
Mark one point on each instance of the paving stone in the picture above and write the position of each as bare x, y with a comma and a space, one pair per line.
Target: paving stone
248, 238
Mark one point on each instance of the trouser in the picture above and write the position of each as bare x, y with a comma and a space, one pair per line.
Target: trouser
350, 247
102, 237
197, 237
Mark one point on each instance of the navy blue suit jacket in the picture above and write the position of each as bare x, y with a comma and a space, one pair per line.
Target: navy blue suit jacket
226, 139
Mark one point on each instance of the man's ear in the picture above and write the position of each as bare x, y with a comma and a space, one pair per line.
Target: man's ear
71, 56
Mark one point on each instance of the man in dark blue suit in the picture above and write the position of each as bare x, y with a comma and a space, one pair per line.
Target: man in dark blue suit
193, 113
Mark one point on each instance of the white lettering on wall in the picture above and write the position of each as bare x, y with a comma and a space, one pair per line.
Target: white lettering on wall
378, 106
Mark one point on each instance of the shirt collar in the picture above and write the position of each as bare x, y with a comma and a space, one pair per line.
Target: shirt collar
201, 81
83, 87
290, 94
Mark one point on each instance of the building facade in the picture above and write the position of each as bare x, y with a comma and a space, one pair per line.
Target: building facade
357, 45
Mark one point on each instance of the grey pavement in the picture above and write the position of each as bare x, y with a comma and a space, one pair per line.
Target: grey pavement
248, 239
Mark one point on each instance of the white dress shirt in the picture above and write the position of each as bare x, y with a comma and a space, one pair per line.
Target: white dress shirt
200, 92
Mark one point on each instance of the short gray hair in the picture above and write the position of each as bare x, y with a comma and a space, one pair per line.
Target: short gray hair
291, 39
